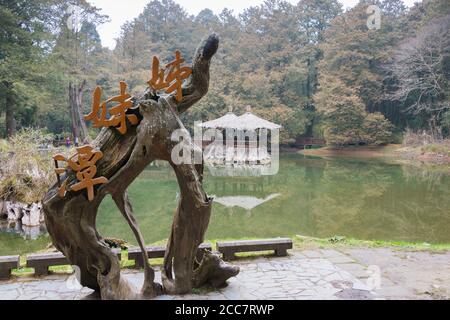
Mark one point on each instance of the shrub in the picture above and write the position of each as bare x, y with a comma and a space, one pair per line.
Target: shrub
376, 129
416, 139
26, 166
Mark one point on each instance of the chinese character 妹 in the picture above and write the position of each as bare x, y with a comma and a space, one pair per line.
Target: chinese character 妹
117, 112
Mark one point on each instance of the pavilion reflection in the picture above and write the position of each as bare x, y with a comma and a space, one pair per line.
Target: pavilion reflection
247, 203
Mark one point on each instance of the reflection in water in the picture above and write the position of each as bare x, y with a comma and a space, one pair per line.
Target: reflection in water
246, 202
26, 232
363, 199
316, 197
239, 170
18, 239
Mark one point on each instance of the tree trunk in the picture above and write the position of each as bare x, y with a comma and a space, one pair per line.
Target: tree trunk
73, 116
10, 122
79, 108
71, 220
79, 128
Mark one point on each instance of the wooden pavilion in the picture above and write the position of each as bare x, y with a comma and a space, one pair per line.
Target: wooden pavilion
245, 139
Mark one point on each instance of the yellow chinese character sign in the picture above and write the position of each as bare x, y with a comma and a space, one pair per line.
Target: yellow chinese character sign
83, 164
173, 81
117, 113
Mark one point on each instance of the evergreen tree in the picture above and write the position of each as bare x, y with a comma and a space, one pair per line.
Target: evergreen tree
23, 38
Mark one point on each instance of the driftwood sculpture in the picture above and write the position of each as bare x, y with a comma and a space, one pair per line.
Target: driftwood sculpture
71, 219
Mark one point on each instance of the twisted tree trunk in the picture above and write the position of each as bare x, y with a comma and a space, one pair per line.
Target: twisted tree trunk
71, 220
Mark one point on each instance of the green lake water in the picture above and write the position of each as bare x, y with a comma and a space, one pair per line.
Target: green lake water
362, 199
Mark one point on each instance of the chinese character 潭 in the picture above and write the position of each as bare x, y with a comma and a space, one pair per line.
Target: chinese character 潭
174, 79
83, 164
117, 112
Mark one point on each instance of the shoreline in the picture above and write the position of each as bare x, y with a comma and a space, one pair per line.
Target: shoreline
353, 151
393, 152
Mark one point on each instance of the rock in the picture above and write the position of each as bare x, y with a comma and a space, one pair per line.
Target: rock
3, 212
29, 214
31, 233
32, 215
42, 217
14, 227
14, 211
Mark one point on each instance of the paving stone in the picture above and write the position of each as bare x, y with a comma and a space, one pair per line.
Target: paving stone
297, 255
394, 292
340, 260
232, 294
9, 294
29, 296
312, 254
219, 296
324, 292
351, 294
353, 267
9, 286
308, 292
270, 284
164, 297
50, 296
309, 274
333, 277
358, 285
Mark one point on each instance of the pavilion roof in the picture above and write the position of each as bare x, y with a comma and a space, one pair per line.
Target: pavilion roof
227, 121
248, 121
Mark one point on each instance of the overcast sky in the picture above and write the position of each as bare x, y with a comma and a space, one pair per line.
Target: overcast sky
122, 11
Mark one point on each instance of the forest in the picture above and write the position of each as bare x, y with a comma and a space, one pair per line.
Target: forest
315, 68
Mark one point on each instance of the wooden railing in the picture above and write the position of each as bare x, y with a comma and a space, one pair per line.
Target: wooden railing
309, 141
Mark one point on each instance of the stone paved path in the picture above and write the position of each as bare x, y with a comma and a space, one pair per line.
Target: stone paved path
306, 274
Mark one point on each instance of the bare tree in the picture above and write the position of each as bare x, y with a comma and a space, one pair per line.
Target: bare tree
420, 70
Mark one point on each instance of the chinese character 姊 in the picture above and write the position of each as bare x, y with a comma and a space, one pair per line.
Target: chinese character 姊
117, 112
85, 168
176, 75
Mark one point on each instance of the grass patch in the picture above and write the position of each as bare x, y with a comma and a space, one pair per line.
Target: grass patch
336, 241
436, 148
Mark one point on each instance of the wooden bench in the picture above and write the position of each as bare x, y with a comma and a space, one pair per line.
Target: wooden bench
229, 248
135, 253
6, 265
41, 262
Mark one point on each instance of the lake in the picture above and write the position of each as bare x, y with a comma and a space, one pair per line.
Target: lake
362, 199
